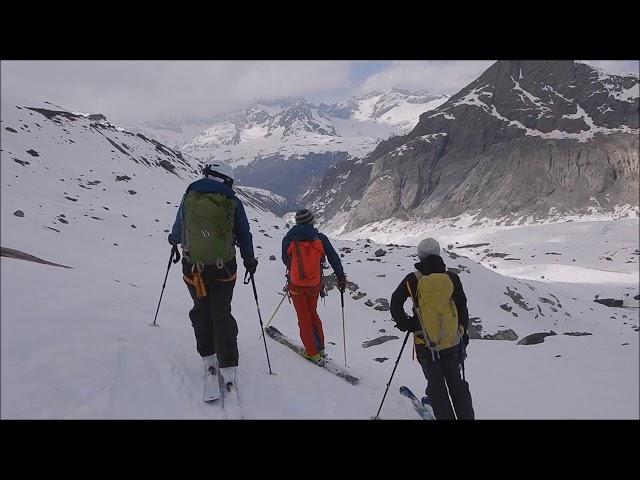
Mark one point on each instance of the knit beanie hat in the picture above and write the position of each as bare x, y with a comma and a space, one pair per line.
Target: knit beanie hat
427, 247
304, 216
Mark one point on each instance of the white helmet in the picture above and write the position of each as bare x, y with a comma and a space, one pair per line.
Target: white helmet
219, 171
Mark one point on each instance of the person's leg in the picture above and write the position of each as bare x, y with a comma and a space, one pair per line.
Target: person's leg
316, 323
301, 304
201, 322
458, 389
225, 328
436, 388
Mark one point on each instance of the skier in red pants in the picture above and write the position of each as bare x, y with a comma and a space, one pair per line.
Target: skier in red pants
303, 250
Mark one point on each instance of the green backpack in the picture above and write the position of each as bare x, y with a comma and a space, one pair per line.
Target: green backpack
207, 228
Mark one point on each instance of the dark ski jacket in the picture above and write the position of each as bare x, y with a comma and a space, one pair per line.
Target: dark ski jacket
431, 264
241, 231
309, 232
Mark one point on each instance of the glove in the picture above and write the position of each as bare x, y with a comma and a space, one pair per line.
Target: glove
251, 264
407, 324
342, 283
173, 241
463, 347
414, 323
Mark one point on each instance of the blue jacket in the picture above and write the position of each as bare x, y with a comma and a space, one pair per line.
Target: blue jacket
309, 232
241, 230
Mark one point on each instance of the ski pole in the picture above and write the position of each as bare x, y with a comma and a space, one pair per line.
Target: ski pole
392, 374
255, 295
174, 251
274, 313
344, 338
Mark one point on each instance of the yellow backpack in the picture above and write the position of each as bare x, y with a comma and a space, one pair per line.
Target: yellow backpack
437, 311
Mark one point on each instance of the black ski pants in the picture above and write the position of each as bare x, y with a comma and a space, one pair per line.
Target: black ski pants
215, 328
443, 380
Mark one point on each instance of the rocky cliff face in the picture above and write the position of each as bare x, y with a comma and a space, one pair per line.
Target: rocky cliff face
524, 138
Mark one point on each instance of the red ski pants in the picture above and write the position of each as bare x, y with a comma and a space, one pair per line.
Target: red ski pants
305, 301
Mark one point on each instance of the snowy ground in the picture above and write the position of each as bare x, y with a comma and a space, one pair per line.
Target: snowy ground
597, 257
76, 343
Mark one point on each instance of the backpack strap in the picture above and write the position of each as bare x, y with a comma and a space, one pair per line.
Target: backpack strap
299, 255
435, 355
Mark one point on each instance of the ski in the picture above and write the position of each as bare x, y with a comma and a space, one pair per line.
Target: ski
425, 411
281, 338
211, 385
230, 400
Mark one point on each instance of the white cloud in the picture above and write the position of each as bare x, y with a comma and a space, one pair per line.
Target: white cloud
449, 76
436, 76
616, 66
290, 78
133, 91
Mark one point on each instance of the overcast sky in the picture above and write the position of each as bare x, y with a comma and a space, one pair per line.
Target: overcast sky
134, 91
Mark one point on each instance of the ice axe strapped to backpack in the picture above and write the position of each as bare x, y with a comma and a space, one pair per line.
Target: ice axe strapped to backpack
430, 344
436, 312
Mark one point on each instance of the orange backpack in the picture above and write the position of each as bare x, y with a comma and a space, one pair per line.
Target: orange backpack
306, 257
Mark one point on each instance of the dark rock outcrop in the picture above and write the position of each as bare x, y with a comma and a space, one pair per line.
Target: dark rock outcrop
378, 341
609, 302
17, 254
522, 139
535, 338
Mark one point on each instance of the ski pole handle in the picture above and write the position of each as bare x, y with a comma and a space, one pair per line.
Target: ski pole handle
175, 253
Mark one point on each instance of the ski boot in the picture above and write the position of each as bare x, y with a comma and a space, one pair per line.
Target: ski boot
210, 364
317, 358
228, 377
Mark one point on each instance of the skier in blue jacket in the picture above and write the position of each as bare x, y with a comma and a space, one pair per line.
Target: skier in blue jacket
303, 252
215, 328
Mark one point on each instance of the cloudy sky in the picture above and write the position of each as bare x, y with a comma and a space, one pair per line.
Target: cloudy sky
134, 91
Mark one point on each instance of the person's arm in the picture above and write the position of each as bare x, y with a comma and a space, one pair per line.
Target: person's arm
175, 237
242, 232
285, 246
332, 256
460, 299
400, 296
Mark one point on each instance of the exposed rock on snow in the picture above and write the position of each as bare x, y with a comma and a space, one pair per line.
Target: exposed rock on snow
378, 341
17, 254
535, 338
609, 302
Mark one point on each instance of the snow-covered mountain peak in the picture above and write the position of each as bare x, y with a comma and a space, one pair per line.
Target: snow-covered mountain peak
395, 107
294, 126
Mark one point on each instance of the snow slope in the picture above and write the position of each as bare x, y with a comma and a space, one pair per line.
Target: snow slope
76, 343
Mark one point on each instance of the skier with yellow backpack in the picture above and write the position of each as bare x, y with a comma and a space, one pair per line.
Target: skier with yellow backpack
439, 324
